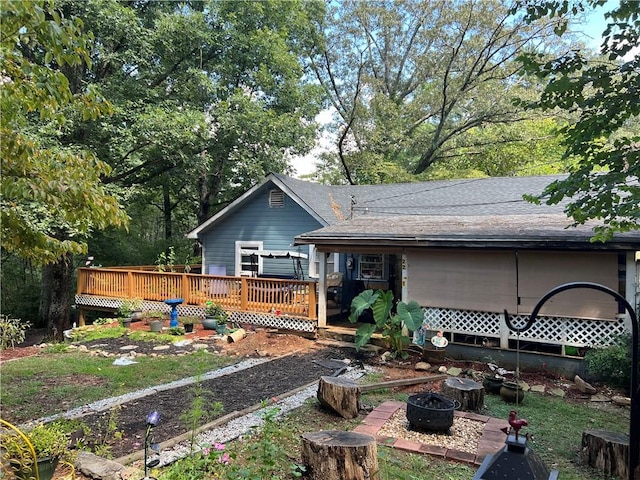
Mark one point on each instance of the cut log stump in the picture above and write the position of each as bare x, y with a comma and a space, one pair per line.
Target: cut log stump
339, 455
339, 394
606, 451
468, 393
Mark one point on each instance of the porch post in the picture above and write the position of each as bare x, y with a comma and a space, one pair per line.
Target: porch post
632, 285
405, 293
322, 289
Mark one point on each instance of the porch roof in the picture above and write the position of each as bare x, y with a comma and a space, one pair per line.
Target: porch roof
498, 231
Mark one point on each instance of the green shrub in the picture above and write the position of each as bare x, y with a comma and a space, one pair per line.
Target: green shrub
612, 363
12, 331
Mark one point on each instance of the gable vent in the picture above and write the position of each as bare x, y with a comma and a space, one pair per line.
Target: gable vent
276, 199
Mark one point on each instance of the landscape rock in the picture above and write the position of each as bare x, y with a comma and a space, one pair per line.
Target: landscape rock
442, 369
558, 392
600, 398
97, 467
583, 386
538, 388
622, 401
422, 366
454, 371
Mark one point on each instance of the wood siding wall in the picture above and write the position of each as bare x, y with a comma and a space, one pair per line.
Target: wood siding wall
256, 221
493, 281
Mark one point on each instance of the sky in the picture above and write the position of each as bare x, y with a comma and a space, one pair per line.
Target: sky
594, 25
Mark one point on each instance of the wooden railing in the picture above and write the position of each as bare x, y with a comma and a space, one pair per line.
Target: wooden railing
288, 297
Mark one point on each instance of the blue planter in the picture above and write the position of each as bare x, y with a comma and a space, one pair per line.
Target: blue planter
210, 324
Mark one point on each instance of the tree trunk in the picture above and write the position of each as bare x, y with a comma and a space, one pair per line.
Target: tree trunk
338, 455
46, 284
470, 394
166, 212
606, 451
339, 394
59, 309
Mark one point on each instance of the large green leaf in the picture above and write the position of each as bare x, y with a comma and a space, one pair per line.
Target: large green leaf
382, 308
361, 303
363, 335
411, 314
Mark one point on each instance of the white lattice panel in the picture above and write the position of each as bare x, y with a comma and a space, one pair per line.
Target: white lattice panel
552, 330
463, 321
570, 331
274, 321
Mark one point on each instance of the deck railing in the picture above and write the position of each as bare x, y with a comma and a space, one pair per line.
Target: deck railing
264, 295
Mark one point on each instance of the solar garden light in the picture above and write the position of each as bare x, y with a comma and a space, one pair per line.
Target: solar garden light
153, 418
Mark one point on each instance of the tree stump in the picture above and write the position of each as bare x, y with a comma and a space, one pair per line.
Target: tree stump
470, 394
606, 451
339, 455
339, 394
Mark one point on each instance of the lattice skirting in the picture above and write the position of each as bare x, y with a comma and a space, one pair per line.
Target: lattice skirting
275, 321
283, 322
552, 330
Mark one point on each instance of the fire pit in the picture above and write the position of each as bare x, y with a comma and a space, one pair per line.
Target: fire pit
430, 411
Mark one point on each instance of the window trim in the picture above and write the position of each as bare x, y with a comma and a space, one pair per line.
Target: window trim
245, 244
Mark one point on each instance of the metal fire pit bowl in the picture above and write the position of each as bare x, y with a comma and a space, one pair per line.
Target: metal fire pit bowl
430, 412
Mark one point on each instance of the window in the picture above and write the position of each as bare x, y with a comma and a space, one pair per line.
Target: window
248, 265
276, 198
371, 266
333, 262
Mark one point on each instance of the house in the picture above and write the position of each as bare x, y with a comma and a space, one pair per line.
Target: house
465, 250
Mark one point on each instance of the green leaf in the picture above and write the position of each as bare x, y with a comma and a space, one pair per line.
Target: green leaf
364, 334
360, 303
411, 314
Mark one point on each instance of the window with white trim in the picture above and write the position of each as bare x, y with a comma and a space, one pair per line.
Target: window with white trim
333, 262
248, 265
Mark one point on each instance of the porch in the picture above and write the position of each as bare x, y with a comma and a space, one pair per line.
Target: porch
280, 303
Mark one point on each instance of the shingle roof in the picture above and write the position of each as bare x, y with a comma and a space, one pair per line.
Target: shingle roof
477, 196
534, 231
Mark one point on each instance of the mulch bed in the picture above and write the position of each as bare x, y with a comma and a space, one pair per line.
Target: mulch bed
235, 392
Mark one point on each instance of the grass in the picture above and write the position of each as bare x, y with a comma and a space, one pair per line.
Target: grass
68, 380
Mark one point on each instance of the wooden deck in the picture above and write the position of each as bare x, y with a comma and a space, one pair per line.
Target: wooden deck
244, 294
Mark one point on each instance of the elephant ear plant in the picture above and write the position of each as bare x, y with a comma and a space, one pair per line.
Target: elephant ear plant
390, 325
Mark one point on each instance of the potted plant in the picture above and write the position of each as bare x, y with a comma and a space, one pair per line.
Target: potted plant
188, 322
215, 316
155, 319
49, 443
129, 308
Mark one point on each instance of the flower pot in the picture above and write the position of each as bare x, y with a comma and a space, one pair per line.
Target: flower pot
511, 392
46, 468
188, 327
492, 383
155, 326
210, 324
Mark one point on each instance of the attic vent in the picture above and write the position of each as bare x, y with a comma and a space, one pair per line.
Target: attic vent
276, 199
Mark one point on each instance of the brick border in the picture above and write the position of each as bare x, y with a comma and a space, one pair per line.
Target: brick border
491, 440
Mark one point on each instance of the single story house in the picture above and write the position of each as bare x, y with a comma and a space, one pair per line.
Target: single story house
465, 250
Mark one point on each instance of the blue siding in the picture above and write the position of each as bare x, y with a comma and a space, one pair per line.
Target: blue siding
256, 221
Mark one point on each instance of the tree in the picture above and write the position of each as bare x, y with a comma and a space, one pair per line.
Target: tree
52, 195
603, 185
410, 79
46, 189
208, 96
